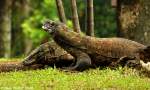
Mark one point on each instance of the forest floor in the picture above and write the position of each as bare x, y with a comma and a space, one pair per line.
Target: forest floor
94, 79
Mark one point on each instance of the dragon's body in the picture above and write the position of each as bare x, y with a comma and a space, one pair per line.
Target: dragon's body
91, 51
47, 54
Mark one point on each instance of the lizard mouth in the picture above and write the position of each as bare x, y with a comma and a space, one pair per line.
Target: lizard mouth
46, 29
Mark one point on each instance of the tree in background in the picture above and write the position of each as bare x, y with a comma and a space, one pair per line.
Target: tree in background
89, 18
104, 16
5, 28
20, 44
75, 19
61, 12
134, 20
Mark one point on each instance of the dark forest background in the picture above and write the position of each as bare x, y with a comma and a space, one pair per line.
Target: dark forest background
21, 21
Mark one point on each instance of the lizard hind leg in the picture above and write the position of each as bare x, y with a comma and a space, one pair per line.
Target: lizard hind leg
31, 58
83, 62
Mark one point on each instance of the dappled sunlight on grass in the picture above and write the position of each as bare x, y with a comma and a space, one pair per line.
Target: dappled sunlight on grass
11, 59
46, 79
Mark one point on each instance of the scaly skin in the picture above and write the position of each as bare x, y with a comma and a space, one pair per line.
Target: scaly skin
49, 54
91, 51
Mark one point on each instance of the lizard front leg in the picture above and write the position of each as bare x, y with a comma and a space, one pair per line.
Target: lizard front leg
83, 61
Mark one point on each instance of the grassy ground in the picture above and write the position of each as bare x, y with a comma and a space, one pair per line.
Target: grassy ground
53, 79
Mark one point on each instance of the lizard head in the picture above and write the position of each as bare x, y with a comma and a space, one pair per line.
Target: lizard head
50, 26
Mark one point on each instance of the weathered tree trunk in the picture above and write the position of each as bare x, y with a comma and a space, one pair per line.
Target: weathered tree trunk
90, 18
16, 66
75, 19
134, 20
20, 12
61, 12
5, 28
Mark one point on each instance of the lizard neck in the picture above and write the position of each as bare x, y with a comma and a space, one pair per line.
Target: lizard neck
65, 37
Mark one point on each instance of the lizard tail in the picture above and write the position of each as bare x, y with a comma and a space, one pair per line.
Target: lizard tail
16, 66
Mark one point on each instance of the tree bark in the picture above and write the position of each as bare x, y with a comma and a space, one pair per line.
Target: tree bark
75, 19
17, 65
61, 12
90, 18
134, 21
20, 12
5, 28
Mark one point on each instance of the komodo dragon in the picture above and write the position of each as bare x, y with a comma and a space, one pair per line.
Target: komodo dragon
49, 54
93, 52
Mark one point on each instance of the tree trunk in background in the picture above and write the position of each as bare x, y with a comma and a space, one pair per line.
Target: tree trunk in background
60, 10
5, 28
75, 18
134, 20
19, 14
90, 18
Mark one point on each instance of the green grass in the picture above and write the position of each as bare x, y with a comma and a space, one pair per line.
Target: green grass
53, 79
11, 59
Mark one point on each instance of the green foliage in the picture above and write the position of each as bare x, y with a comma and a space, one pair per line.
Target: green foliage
41, 11
105, 19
